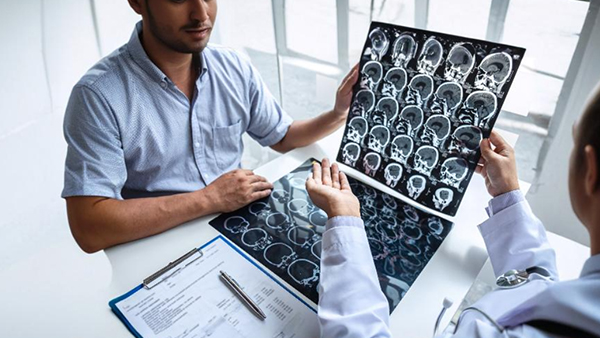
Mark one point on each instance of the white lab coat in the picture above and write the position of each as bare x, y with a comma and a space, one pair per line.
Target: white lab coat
351, 303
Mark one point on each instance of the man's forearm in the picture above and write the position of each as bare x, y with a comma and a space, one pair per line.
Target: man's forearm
98, 223
305, 132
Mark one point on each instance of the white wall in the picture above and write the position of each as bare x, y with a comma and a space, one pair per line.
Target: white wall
549, 195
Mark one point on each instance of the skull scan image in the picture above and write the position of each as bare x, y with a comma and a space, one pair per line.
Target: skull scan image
302, 237
301, 207
363, 104
447, 98
379, 250
350, 154
479, 107
379, 44
401, 148
435, 224
442, 198
392, 174
279, 222
419, 90
465, 140
372, 73
435, 130
454, 170
279, 255
403, 50
379, 137
259, 209
371, 163
357, 129
256, 238
236, 224
280, 195
394, 82
426, 157
460, 62
386, 111
410, 120
415, 186
410, 212
304, 272
389, 201
431, 56
493, 72
318, 219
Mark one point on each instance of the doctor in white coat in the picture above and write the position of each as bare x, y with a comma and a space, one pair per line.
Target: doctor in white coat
351, 303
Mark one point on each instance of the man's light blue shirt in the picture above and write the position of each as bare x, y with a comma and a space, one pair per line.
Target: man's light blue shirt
131, 132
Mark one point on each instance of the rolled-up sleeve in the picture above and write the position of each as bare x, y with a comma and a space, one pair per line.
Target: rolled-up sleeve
268, 121
95, 164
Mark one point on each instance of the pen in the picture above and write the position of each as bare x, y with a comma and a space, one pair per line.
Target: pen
237, 289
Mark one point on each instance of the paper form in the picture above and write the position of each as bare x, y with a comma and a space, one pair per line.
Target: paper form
194, 302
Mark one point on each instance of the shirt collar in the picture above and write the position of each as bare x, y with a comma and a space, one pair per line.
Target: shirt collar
591, 266
138, 54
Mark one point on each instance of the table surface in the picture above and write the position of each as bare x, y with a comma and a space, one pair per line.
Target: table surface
450, 272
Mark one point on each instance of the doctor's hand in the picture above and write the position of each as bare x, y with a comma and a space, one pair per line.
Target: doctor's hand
329, 190
497, 166
343, 97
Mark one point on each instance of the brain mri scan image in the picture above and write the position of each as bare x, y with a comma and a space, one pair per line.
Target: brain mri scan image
386, 111
371, 75
460, 62
351, 153
371, 163
393, 173
478, 108
419, 90
493, 72
454, 170
379, 44
410, 121
465, 140
426, 158
363, 104
438, 95
401, 148
379, 137
435, 130
447, 98
404, 50
394, 82
357, 129
431, 56
288, 239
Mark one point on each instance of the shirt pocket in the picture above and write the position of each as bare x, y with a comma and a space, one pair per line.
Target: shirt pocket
228, 146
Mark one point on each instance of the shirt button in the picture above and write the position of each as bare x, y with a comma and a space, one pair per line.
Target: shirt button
163, 84
197, 144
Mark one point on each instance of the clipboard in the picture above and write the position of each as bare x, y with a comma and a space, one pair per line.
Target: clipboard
187, 262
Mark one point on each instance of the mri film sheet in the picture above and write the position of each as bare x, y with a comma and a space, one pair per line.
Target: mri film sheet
423, 102
284, 233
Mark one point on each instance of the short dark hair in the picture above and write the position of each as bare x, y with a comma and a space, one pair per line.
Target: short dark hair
588, 129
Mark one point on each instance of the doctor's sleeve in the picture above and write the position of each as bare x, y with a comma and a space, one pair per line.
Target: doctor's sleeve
515, 238
351, 303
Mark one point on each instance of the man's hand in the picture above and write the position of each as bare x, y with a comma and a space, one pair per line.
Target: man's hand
236, 189
329, 190
497, 166
343, 97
